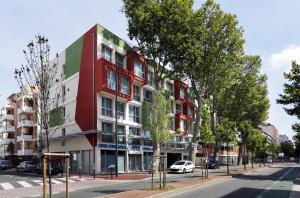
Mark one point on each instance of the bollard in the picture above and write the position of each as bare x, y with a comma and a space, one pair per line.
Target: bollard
79, 172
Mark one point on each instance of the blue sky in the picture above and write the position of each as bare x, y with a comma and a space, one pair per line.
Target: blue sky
271, 30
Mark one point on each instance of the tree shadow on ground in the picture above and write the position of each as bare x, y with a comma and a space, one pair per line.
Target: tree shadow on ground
254, 192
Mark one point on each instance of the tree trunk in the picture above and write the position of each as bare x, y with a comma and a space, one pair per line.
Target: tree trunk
227, 158
196, 132
239, 155
252, 159
156, 152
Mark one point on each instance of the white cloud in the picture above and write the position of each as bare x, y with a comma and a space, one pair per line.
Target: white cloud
281, 61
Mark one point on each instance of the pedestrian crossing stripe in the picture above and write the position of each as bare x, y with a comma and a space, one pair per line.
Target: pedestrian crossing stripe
25, 184
7, 186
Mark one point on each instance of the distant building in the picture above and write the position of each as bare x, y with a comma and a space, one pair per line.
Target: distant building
283, 138
17, 128
269, 131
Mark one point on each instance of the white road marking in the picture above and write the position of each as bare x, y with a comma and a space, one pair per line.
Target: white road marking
56, 181
25, 184
64, 179
38, 182
7, 186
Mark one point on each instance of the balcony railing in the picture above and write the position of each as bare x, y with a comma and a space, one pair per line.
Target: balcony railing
25, 123
24, 137
8, 141
25, 152
25, 109
7, 129
8, 117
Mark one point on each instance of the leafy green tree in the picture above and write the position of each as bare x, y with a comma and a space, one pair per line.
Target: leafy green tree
206, 135
226, 133
255, 143
287, 148
159, 121
274, 149
245, 128
246, 97
155, 26
209, 56
291, 91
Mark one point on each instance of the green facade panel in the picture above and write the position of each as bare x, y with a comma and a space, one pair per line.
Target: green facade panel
73, 58
56, 116
146, 109
113, 38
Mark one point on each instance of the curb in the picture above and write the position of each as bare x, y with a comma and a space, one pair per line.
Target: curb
203, 184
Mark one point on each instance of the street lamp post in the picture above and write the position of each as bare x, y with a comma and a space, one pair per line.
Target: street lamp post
116, 119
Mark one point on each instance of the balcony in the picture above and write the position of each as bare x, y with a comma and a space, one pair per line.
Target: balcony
25, 123
24, 137
8, 117
25, 109
25, 152
7, 129
8, 140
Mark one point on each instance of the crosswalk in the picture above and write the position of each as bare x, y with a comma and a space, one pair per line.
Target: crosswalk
34, 182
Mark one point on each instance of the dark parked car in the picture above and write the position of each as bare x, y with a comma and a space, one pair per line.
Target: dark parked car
3, 164
213, 164
26, 166
55, 169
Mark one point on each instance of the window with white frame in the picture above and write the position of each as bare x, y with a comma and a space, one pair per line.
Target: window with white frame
106, 107
106, 127
111, 79
119, 60
182, 125
182, 93
172, 107
125, 85
139, 69
178, 108
136, 93
169, 88
148, 95
106, 53
134, 114
171, 124
190, 112
121, 130
134, 131
147, 134
151, 78
121, 110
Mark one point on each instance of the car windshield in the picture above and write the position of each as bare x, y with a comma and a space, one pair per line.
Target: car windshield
179, 163
4, 162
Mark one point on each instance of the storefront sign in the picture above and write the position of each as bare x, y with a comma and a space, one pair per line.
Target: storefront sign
147, 148
135, 149
112, 146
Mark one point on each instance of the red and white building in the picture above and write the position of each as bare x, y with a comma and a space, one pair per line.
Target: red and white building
83, 121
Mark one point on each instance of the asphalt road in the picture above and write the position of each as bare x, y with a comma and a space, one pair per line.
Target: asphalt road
275, 182
111, 189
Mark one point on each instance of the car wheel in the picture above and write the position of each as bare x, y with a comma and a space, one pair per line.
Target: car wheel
193, 170
184, 171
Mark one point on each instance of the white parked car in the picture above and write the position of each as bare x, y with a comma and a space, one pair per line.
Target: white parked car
182, 166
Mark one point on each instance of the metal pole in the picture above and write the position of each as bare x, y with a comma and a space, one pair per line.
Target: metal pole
67, 177
94, 155
165, 172
94, 109
116, 120
159, 169
152, 173
44, 178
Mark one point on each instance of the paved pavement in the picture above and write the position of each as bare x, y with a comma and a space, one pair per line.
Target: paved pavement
24, 186
275, 182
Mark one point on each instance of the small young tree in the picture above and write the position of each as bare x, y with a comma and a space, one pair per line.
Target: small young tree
254, 144
159, 120
206, 135
35, 78
226, 133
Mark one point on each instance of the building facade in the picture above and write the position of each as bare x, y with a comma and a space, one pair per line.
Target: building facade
94, 70
269, 131
283, 138
19, 130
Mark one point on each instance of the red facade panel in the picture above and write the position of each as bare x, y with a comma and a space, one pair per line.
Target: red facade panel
177, 86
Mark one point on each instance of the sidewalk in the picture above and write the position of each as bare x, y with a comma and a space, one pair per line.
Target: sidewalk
295, 191
179, 186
